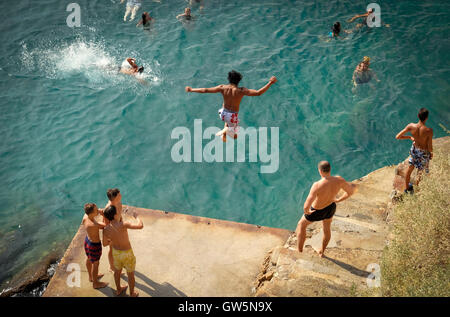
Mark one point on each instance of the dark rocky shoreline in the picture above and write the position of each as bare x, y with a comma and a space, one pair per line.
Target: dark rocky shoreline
34, 284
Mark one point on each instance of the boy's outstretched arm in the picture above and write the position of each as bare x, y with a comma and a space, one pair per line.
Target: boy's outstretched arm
253, 92
139, 225
204, 90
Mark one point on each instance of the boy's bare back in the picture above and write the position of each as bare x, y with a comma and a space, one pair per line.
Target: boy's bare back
232, 96
117, 232
422, 135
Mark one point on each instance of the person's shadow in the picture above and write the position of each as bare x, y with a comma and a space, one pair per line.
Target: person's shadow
348, 267
152, 288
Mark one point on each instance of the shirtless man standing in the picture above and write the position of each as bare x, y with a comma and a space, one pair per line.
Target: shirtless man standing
422, 148
232, 96
323, 196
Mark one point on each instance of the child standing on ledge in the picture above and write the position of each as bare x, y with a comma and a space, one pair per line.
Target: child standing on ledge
115, 234
114, 199
92, 244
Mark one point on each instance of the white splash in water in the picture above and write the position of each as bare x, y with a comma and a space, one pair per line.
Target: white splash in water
90, 59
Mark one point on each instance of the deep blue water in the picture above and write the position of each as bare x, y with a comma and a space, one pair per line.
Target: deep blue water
72, 127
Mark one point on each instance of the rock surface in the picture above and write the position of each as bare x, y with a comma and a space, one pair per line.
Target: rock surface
360, 231
177, 255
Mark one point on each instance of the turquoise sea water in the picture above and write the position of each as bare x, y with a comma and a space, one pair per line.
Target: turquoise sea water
71, 127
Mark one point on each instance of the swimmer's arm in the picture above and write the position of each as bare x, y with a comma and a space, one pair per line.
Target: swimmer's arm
310, 199
205, 90
356, 17
132, 61
253, 92
401, 135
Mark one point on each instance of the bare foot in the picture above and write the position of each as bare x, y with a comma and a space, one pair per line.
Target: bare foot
121, 290
99, 276
100, 285
321, 252
135, 294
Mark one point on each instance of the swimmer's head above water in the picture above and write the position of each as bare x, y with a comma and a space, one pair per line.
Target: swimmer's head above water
336, 29
140, 69
234, 77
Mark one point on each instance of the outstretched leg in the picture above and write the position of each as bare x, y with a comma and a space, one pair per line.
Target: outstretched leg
301, 232
326, 224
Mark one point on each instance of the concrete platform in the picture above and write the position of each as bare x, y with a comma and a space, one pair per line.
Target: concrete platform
179, 255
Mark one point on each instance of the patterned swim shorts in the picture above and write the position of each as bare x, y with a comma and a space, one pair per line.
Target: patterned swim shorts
419, 158
231, 119
93, 250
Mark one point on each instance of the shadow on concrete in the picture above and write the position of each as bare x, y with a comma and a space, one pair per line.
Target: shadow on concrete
108, 291
154, 289
348, 267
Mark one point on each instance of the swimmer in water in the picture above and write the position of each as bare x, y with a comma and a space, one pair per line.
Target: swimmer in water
336, 31
132, 7
145, 21
232, 96
130, 67
186, 15
363, 74
368, 16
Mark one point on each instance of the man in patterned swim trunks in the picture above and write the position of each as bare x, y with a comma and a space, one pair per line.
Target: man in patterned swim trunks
323, 197
92, 244
421, 151
232, 96
116, 235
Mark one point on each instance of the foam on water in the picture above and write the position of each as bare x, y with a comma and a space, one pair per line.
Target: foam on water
90, 59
